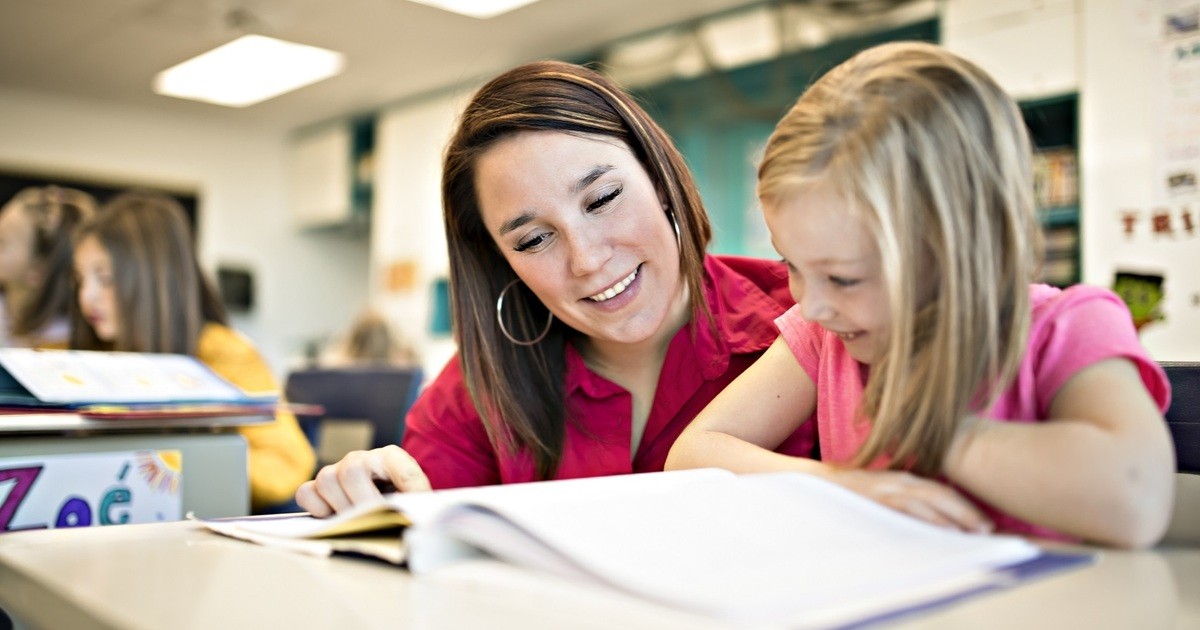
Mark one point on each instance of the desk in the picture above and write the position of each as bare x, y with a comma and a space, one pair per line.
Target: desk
177, 575
214, 455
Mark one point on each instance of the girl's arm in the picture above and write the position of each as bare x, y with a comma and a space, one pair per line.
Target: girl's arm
765, 405
754, 414
1100, 468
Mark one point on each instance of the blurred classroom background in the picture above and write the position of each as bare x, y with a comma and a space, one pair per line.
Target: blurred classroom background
313, 206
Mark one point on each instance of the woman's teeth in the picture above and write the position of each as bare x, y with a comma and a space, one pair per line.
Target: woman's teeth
615, 289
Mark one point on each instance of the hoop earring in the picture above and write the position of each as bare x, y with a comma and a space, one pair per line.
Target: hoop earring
675, 224
504, 329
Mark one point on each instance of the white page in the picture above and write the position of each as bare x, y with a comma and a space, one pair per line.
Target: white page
777, 547
424, 507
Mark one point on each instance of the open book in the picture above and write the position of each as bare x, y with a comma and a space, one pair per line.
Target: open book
121, 385
779, 548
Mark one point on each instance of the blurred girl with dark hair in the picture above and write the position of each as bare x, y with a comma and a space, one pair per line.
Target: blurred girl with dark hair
141, 290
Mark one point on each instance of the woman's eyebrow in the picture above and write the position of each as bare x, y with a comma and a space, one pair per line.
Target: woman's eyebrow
591, 176
515, 222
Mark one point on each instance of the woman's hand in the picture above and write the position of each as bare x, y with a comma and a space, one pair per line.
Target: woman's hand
358, 479
928, 500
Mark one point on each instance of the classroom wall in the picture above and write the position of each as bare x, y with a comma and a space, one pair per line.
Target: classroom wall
306, 285
310, 285
408, 241
1114, 55
1125, 88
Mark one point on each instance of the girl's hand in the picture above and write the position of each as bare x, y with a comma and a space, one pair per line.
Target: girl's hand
928, 500
358, 479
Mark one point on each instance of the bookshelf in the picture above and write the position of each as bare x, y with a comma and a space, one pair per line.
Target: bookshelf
1053, 124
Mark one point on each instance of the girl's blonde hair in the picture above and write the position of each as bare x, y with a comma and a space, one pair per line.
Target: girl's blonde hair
933, 156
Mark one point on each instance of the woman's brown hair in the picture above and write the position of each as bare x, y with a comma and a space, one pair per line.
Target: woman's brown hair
162, 298
518, 390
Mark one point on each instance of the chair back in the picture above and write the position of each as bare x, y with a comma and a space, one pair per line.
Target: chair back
378, 395
1183, 417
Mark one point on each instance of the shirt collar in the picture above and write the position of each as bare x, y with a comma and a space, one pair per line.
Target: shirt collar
744, 317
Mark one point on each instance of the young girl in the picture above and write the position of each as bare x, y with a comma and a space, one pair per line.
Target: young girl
898, 191
35, 263
141, 290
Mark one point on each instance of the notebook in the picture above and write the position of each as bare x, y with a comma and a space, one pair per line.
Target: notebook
783, 548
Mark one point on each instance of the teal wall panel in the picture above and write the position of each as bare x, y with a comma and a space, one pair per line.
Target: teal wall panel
720, 123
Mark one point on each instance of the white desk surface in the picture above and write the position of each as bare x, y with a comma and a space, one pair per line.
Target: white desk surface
177, 575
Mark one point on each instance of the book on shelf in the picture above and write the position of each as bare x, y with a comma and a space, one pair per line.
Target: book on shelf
121, 385
1055, 177
1062, 240
782, 548
1060, 271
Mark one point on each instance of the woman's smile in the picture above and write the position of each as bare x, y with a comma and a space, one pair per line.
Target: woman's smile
615, 289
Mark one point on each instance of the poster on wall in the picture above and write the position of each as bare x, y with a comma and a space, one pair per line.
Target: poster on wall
1171, 212
1179, 100
85, 489
1148, 145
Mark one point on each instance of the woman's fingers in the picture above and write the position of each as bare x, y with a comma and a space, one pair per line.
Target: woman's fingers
310, 500
403, 471
357, 479
329, 487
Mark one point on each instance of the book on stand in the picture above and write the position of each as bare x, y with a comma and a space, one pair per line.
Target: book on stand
121, 385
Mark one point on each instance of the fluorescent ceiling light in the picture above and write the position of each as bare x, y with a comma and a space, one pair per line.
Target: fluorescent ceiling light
743, 38
482, 9
248, 70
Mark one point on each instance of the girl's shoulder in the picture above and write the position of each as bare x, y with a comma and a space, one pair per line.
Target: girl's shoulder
1050, 304
1076, 327
220, 344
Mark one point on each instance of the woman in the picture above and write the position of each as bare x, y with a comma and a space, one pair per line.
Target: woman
35, 263
592, 327
141, 290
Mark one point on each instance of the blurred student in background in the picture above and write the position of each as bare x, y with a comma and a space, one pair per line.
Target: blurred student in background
371, 341
35, 264
141, 290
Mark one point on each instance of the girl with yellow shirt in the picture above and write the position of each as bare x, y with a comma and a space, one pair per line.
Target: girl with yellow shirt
141, 290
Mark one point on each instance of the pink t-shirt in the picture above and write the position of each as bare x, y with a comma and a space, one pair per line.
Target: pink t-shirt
1071, 330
